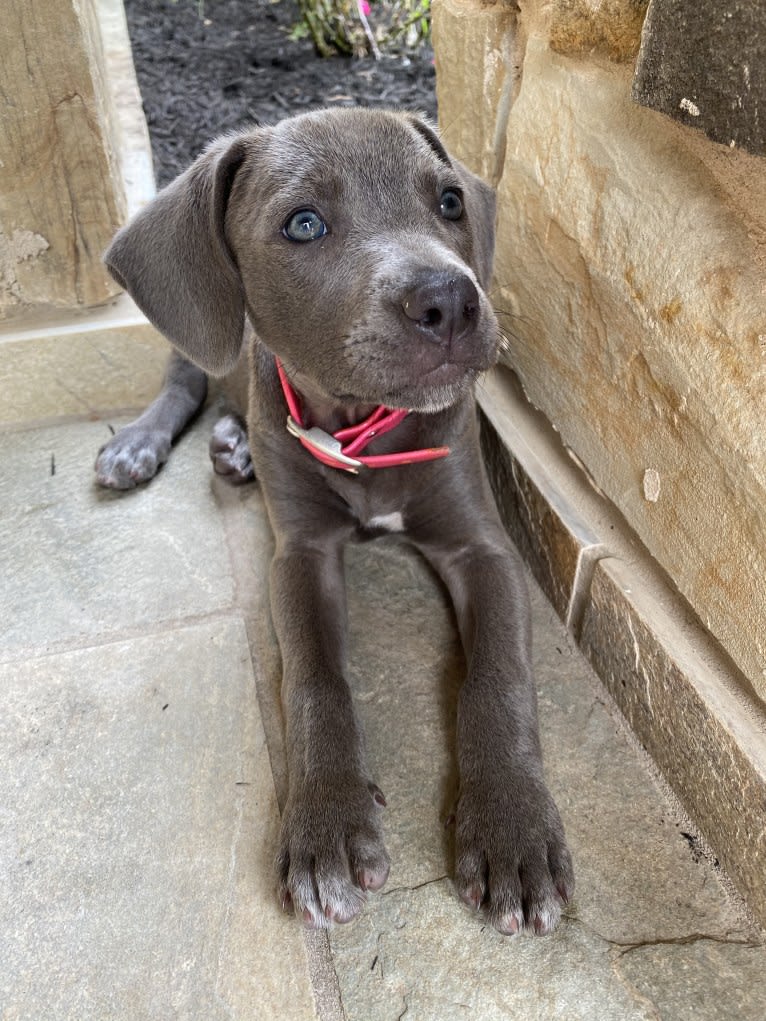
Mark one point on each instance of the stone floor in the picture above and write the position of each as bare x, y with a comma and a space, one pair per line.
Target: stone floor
142, 770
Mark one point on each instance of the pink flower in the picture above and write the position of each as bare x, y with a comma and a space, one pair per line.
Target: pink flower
364, 7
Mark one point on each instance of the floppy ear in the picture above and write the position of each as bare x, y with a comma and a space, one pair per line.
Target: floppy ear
174, 261
480, 202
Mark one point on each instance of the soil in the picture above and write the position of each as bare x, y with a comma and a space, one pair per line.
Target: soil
210, 66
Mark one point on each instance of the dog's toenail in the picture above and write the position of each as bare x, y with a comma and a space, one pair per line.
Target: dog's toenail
378, 796
472, 897
508, 926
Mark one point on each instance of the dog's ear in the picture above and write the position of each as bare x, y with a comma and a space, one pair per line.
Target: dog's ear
480, 203
173, 259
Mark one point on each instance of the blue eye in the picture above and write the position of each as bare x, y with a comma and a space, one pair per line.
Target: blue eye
451, 205
305, 225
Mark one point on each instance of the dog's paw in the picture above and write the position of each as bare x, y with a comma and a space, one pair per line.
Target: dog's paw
229, 450
511, 858
331, 850
133, 456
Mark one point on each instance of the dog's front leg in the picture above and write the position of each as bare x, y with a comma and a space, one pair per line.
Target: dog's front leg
511, 858
331, 847
137, 452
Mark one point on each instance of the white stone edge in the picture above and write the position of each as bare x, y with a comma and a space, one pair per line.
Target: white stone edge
133, 147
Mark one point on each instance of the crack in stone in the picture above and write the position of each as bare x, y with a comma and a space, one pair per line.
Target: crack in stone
619, 949
628, 946
226, 922
417, 886
679, 941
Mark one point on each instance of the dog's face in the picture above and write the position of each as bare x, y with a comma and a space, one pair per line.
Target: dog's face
355, 235
358, 247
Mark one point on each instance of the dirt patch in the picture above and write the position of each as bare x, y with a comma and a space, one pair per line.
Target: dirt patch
205, 68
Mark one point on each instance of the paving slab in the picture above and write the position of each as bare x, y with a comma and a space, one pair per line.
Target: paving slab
81, 561
138, 826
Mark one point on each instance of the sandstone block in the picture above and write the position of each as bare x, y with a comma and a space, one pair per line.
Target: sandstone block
475, 105
637, 325
611, 28
60, 193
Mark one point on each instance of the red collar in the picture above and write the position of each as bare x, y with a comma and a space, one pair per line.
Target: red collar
341, 449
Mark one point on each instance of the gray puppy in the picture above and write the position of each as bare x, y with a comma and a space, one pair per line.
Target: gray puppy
336, 265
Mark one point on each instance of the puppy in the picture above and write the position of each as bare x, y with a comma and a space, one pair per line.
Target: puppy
336, 266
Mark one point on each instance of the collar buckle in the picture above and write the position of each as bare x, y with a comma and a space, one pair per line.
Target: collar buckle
323, 443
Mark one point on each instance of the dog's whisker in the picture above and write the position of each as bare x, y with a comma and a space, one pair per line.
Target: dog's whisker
504, 344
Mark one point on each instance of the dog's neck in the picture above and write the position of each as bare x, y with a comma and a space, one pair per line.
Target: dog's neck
323, 410
343, 446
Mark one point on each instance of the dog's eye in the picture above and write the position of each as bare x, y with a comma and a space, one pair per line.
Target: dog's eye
451, 205
305, 225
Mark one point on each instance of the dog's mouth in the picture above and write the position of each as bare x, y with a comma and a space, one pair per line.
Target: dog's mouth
431, 391
438, 389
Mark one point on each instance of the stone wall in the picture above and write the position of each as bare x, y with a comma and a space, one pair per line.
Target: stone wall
61, 194
631, 281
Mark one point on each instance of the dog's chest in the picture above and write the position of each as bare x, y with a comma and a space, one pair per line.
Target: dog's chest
376, 506
391, 522
372, 521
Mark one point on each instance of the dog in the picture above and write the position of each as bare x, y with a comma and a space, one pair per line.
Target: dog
336, 265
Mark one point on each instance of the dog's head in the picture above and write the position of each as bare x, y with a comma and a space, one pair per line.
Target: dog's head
358, 247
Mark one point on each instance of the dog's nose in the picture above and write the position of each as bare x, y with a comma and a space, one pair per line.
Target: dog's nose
444, 306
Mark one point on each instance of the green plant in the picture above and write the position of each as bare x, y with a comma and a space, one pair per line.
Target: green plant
363, 28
